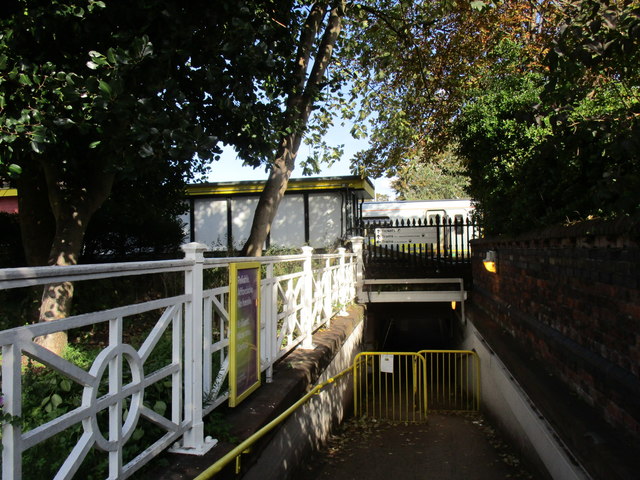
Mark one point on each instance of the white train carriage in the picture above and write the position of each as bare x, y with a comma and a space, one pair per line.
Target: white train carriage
451, 217
429, 211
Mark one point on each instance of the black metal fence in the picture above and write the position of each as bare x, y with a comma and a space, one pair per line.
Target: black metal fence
438, 243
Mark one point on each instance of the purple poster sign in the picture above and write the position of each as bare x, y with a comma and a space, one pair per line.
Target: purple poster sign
244, 304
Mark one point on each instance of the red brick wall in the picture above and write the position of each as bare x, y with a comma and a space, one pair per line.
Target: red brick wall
572, 296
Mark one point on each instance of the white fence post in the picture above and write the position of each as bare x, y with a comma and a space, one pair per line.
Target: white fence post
327, 293
270, 319
342, 282
193, 441
307, 299
12, 398
357, 244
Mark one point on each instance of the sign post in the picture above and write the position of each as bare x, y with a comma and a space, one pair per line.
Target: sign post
244, 335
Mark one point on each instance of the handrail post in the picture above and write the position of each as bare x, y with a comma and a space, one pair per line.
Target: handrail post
193, 440
357, 244
307, 299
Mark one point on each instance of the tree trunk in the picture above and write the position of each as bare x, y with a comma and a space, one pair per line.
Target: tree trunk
57, 297
72, 208
299, 105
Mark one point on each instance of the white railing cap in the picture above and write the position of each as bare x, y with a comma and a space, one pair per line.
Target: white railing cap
30, 276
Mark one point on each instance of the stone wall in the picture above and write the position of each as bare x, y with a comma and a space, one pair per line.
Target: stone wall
571, 296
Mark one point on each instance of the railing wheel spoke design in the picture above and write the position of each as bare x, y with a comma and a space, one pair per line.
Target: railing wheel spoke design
112, 358
107, 368
114, 388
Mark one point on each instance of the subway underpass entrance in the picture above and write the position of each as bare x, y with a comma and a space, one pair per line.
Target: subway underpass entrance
417, 417
411, 327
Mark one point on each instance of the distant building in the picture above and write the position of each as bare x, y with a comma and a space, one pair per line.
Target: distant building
8, 200
319, 212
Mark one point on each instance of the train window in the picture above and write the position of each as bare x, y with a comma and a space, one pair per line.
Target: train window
458, 221
435, 217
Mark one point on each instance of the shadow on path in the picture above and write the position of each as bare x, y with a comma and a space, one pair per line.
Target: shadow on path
448, 446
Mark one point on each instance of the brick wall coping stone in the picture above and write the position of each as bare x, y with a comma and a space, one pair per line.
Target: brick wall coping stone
627, 229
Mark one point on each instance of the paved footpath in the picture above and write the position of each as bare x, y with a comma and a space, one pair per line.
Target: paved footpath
448, 447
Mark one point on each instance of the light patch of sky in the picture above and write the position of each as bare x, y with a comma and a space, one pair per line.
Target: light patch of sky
230, 169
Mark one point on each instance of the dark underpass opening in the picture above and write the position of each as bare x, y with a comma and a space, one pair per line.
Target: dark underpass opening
416, 407
410, 327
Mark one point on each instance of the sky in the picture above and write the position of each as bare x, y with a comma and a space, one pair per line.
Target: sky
230, 169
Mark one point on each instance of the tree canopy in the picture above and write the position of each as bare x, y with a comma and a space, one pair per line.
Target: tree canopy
558, 141
443, 176
414, 63
539, 99
93, 94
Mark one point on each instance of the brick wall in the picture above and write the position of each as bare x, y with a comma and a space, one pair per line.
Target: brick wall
572, 296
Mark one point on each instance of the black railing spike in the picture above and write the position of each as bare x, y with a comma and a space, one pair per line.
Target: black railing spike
450, 248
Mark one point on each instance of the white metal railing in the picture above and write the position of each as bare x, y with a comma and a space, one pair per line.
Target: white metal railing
196, 325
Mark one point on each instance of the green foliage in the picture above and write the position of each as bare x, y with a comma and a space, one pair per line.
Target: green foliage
444, 176
283, 268
7, 417
134, 82
93, 95
412, 65
497, 135
563, 146
594, 95
45, 396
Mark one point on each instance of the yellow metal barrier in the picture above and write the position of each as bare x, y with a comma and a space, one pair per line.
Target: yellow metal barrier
246, 445
390, 386
452, 379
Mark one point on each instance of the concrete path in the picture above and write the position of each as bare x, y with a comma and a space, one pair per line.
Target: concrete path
448, 447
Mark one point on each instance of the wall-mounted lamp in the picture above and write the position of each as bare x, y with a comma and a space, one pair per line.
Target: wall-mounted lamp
489, 261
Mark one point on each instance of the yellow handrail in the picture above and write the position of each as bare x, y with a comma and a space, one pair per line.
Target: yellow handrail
246, 444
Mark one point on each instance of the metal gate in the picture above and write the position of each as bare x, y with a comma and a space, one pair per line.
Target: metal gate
404, 387
390, 386
452, 379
